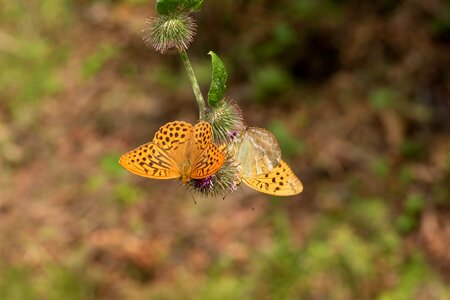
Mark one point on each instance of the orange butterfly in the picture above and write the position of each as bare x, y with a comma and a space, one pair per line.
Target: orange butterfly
178, 150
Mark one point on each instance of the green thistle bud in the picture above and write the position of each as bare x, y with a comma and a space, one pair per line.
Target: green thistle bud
170, 34
226, 120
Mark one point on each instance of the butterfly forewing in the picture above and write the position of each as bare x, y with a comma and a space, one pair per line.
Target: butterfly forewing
150, 160
257, 151
280, 181
172, 136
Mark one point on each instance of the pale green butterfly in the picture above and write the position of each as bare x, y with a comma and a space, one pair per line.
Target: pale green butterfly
260, 166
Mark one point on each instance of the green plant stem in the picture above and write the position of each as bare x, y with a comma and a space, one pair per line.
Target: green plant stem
194, 83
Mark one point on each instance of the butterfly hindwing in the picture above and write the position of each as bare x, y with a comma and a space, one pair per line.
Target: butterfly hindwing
150, 160
202, 135
208, 162
257, 151
280, 181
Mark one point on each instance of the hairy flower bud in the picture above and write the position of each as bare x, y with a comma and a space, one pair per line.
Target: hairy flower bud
170, 34
226, 120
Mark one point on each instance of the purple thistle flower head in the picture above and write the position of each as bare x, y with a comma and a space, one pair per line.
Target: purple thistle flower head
233, 134
203, 184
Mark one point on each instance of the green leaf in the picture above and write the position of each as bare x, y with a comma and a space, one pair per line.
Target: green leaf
218, 81
169, 7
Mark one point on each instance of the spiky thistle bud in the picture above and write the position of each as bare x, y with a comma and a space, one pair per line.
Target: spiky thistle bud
170, 33
226, 120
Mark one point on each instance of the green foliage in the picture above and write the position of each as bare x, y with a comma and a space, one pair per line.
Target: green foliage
405, 223
382, 97
313, 9
138, 2
381, 167
30, 74
94, 183
413, 276
68, 283
441, 24
410, 217
16, 283
170, 7
283, 37
56, 12
218, 81
289, 144
413, 149
414, 204
127, 194
270, 81
280, 268
167, 78
369, 214
95, 62
29, 55
406, 174
109, 164
58, 282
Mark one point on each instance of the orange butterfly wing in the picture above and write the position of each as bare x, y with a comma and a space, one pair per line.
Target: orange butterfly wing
151, 161
172, 137
280, 181
157, 159
174, 145
209, 158
208, 163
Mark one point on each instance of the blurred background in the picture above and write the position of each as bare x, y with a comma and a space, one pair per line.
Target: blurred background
357, 93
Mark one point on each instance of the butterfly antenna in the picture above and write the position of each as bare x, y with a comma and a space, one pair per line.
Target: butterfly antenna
179, 184
192, 196
226, 195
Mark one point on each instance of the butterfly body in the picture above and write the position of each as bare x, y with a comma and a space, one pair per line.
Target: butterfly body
178, 150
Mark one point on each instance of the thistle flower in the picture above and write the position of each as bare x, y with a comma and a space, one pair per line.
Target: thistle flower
226, 121
170, 33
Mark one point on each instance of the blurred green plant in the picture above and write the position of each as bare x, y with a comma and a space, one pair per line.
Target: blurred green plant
57, 282
381, 167
28, 54
95, 62
16, 283
414, 275
283, 37
270, 81
172, 7
313, 9
167, 78
382, 97
440, 24
410, 216
290, 145
413, 149
109, 165
127, 194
